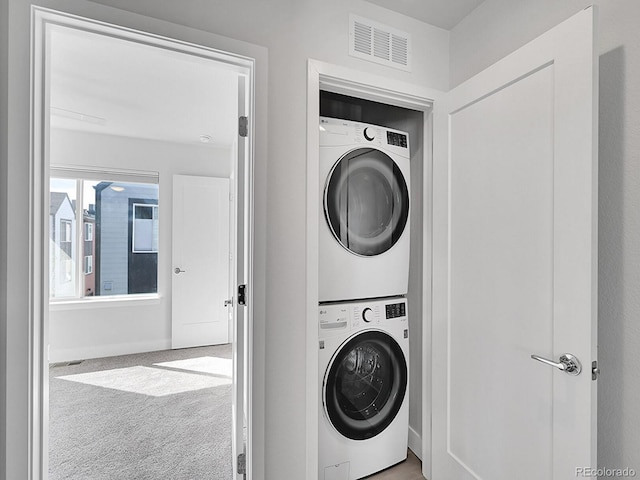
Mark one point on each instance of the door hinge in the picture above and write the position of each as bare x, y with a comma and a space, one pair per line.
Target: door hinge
242, 464
243, 126
595, 371
242, 294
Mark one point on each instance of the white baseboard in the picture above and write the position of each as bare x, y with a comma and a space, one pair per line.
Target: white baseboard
98, 351
415, 443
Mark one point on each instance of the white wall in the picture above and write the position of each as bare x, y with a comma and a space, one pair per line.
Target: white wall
90, 329
293, 31
498, 27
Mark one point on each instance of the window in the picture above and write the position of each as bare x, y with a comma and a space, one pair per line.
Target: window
88, 264
66, 257
66, 237
145, 228
88, 232
104, 233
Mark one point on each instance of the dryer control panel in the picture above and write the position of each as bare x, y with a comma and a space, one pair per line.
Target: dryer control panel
334, 132
397, 139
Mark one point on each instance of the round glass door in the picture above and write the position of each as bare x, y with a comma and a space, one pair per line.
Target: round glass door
365, 385
366, 202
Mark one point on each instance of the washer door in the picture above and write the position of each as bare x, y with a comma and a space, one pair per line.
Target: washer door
366, 202
365, 385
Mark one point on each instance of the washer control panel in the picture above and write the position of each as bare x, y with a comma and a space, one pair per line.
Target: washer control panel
378, 312
333, 317
365, 313
336, 318
395, 310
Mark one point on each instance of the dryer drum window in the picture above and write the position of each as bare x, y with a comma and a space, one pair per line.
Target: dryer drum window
366, 202
365, 385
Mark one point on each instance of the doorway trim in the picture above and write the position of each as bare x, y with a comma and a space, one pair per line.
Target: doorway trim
38, 408
346, 81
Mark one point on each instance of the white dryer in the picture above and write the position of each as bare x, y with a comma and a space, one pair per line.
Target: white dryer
364, 375
364, 221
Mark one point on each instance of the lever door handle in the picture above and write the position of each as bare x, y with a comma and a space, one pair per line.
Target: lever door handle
178, 270
568, 363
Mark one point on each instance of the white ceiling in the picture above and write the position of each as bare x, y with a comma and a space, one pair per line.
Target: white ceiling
106, 85
441, 13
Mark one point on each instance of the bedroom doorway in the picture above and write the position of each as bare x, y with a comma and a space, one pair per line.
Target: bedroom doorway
118, 114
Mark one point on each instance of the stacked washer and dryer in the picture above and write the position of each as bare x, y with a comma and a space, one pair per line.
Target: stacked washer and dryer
363, 282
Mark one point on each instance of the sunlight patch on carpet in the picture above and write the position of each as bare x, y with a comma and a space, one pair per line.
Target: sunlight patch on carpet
213, 365
155, 382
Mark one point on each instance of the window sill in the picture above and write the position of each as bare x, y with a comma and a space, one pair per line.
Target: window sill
105, 302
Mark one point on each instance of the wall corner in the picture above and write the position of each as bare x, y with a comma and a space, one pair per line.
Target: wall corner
4, 121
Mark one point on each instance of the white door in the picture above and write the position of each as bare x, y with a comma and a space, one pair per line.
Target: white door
200, 266
515, 222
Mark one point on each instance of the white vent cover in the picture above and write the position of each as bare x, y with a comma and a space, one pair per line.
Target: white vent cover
379, 43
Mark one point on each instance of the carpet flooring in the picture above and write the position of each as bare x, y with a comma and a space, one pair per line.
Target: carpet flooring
158, 415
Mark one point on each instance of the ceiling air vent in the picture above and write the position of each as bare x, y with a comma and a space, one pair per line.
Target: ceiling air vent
379, 43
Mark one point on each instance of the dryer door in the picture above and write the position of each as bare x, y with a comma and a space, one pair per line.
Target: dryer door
366, 202
365, 384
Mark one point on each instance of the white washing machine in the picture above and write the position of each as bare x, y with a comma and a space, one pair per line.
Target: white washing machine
364, 375
364, 221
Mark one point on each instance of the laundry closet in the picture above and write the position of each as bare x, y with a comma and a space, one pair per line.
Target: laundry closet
371, 388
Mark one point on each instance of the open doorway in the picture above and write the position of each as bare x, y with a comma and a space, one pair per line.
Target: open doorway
124, 117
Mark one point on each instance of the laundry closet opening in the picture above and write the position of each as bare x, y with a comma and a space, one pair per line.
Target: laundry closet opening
398, 123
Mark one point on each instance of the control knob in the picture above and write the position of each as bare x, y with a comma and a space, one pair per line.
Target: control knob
367, 315
367, 135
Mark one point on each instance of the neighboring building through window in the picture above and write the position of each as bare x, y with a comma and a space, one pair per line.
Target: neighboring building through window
89, 220
120, 267
62, 251
117, 227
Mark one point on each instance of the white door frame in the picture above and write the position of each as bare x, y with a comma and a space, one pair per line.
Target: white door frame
336, 79
38, 433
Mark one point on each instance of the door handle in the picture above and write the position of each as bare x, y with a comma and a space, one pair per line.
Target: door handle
228, 303
568, 363
177, 270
